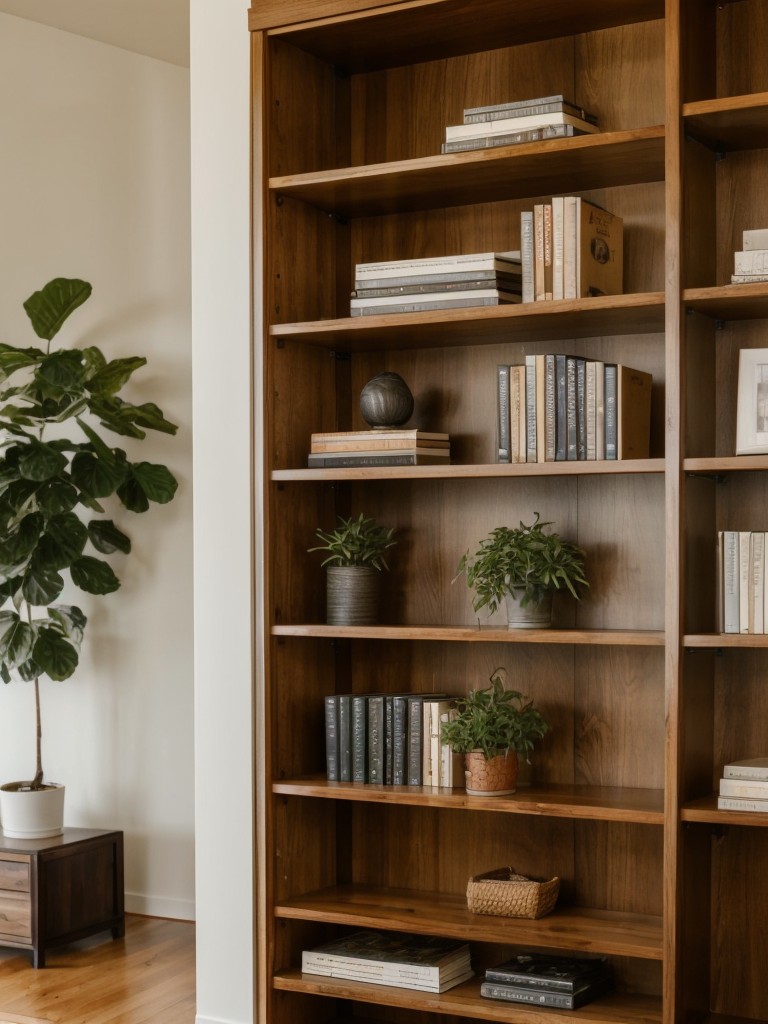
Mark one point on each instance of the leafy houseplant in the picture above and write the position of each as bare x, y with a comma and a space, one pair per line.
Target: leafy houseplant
355, 555
525, 563
52, 486
490, 727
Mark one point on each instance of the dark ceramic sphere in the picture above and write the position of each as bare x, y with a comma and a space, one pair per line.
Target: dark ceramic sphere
386, 401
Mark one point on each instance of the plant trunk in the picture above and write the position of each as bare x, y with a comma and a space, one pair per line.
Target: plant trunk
37, 782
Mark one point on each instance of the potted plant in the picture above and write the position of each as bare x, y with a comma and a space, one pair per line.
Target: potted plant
53, 525
491, 727
523, 565
355, 556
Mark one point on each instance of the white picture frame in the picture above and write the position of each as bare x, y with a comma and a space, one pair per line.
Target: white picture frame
752, 402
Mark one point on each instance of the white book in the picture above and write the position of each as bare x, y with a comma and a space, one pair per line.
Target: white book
754, 262
756, 238
527, 253
751, 768
558, 210
590, 408
756, 580
740, 803
436, 264
719, 586
744, 577
569, 247
505, 125
531, 418
398, 300
599, 410
730, 581
753, 788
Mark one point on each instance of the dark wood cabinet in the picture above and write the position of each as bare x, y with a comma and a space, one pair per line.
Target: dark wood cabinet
56, 890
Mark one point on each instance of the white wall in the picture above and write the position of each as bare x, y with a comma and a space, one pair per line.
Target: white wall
224, 617
94, 183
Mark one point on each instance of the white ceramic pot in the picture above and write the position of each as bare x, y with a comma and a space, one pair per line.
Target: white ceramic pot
532, 616
31, 813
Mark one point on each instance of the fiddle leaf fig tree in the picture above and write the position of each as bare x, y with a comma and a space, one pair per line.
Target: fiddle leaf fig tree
52, 521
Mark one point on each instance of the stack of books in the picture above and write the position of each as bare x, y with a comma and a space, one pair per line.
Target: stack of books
390, 739
744, 786
510, 124
751, 263
741, 590
441, 282
396, 447
563, 408
562, 982
392, 958
571, 248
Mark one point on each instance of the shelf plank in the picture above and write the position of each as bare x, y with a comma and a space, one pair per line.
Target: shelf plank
475, 634
726, 464
720, 640
466, 1002
595, 803
427, 913
730, 301
584, 162
729, 123
460, 472
598, 316
705, 809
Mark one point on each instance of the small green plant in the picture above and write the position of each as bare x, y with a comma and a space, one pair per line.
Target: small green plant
358, 541
494, 720
522, 561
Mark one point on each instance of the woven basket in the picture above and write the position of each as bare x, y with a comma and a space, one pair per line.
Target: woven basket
504, 893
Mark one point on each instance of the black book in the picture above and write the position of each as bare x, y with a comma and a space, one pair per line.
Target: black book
376, 738
390, 738
581, 409
399, 740
344, 703
538, 997
360, 737
611, 412
331, 739
556, 973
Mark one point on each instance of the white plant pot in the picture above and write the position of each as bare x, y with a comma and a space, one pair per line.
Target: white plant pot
31, 814
532, 616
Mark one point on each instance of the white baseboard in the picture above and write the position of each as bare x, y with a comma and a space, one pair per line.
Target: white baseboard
216, 1020
160, 906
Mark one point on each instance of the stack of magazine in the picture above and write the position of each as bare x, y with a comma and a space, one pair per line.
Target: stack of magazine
392, 958
562, 982
744, 786
439, 282
510, 124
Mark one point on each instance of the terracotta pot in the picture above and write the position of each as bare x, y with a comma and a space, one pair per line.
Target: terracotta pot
532, 616
496, 776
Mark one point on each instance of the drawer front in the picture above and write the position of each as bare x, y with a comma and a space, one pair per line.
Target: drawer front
14, 875
15, 916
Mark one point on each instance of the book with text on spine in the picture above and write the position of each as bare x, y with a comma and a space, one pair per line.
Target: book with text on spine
536, 997
540, 970
751, 768
352, 459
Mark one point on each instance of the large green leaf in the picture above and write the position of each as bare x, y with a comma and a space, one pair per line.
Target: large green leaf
114, 375
93, 575
147, 482
41, 462
23, 540
9, 587
69, 619
94, 360
13, 358
151, 416
49, 308
106, 537
41, 586
55, 655
62, 370
16, 643
96, 476
62, 543
56, 496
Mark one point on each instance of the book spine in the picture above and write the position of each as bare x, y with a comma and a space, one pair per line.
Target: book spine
494, 990
611, 420
519, 138
505, 125
539, 286
590, 372
376, 739
446, 279
441, 285
526, 110
742, 771
437, 264
331, 739
736, 803
581, 409
389, 740
538, 981
569, 247
548, 251
558, 206
414, 742
749, 788
427, 767
550, 408
531, 423
399, 741
599, 410
516, 397
757, 581
719, 585
571, 411
359, 738
350, 459
527, 254
516, 104
345, 737
561, 408
744, 567
470, 301
754, 262
522, 415
503, 413
730, 581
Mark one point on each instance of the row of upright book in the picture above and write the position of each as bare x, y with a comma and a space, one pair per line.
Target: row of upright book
742, 601
389, 739
750, 263
518, 122
563, 408
744, 786
570, 248
439, 282
395, 447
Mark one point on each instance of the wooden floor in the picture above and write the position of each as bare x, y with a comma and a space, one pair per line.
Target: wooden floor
149, 976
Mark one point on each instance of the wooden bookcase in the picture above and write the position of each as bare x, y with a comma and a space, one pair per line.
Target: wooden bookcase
350, 100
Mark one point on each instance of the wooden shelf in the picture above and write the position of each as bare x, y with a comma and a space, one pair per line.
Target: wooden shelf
729, 301
482, 175
429, 31
466, 1002
726, 464
474, 634
720, 640
429, 913
705, 809
730, 123
461, 472
635, 313
595, 803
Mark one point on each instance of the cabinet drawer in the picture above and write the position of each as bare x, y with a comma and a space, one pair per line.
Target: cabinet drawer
14, 874
15, 916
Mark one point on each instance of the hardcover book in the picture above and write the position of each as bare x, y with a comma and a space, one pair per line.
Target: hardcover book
518, 138
439, 264
505, 125
352, 459
751, 768
540, 105
559, 973
599, 251
562, 1000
